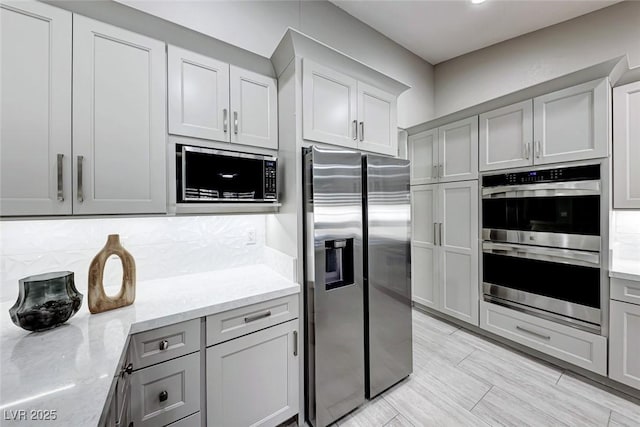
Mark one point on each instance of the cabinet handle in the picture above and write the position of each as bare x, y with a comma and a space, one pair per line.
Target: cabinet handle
434, 174
164, 344
60, 187
128, 370
440, 234
536, 334
537, 149
361, 131
435, 234
80, 189
258, 316
164, 395
295, 343
441, 170
225, 120
235, 122
354, 129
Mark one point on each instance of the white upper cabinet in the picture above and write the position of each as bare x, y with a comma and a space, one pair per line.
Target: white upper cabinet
573, 123
213, 100
626, 146
198, 95
423, 153
254, 109
35, 153
119, 125
339, 110
506, 137
329, 112
458, 150
377, 120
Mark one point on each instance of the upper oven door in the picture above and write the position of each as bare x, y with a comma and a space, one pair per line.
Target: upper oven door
211, 175
560, 214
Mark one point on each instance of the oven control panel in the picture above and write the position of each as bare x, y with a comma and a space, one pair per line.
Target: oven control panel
576, 173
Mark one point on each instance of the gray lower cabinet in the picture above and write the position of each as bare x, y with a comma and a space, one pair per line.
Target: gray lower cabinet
624, 343
260, 368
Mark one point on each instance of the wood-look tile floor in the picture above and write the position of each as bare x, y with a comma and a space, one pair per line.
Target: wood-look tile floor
462, 379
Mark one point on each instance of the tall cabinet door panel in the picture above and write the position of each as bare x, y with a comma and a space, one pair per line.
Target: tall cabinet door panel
329, 105
35, 153
624, 343
572, 124
198, 95
424, 255
458, 150
506, 137
377, 117
254, 109
626, 146
119, 125
423, 153
458, 209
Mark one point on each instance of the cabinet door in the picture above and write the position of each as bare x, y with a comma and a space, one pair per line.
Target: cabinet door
458, 209
253, 380
624, 343
506, 137
458, 150
328, 106
119, 120
423, 153
424, 256
198, 95
626, 146
35, 154
254, 109
378, 121
572, 124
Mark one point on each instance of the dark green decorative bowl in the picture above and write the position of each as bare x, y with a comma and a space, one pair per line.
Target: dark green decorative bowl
46, 301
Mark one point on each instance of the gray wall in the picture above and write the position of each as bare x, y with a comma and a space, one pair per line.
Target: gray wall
539, 56
258, 26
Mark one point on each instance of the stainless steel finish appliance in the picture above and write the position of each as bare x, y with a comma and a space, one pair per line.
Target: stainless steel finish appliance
206, 175
351, 321
387, 272
541, 243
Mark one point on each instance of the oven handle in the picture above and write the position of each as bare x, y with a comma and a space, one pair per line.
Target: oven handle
549, 189
562, 256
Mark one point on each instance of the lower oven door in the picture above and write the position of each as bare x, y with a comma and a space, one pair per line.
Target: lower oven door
559, 284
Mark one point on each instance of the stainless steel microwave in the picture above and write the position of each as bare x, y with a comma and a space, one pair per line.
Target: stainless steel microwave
206, 175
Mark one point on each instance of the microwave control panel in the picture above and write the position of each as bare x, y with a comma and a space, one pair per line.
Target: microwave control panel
270, 190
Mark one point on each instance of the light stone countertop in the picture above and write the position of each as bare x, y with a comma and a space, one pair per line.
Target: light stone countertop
625, 269
70, 369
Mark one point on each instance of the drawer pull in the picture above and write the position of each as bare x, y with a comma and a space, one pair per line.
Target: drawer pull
163, 395
258, 316
164, 344
128, 369
545, 337
295, 343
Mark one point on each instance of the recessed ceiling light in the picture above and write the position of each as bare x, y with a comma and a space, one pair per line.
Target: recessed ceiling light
477, 1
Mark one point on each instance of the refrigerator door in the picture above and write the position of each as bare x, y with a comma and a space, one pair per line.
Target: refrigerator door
387, 274
334, 361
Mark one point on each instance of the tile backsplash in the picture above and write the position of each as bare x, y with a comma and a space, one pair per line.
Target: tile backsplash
625, 235
161, 246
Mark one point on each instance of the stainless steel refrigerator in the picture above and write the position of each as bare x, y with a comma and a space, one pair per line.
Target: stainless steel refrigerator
357, 286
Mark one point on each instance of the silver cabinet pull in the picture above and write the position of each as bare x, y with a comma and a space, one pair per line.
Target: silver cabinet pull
128, 369
164, 344
354, 129
536, 334
361, 131
524, 150
537, 149
235, 122
295, 343
164, 395
60, 184
225, 120
528, 150
80, 190
440, 233
441, 170
258, 316
435, 234
434, 174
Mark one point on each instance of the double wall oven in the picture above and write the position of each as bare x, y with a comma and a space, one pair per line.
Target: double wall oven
542, 243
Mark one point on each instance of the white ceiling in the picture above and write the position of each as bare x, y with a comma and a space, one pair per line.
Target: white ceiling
438, 30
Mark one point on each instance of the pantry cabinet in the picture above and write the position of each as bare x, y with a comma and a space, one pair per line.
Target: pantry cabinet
210, 99
445, 248
626, 146
35, 154
624, 338
340, 110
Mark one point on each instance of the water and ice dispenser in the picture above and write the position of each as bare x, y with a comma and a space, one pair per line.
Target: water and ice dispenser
338, 269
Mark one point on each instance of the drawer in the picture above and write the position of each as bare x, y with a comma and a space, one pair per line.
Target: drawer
241, 321
625, 290
162, 344
572, 345
164, 393
190, 421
